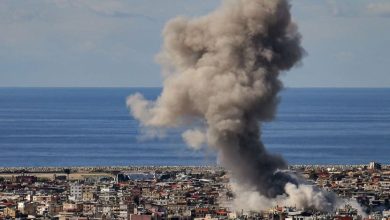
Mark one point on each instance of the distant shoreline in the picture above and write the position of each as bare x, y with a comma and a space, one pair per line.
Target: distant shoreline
51, 169
79, 173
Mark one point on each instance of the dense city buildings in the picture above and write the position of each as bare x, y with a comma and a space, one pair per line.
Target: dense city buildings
176, 193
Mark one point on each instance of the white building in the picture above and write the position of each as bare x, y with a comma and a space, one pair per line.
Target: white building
76, 192
374, 166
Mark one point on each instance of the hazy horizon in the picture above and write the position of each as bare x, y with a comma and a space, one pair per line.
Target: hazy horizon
114, 43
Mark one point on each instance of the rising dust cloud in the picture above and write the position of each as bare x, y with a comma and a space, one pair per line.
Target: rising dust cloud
221, 78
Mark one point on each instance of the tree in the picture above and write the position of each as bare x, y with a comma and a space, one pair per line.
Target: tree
67, 171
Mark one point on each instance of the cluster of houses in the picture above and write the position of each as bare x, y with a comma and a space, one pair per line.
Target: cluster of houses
369, 184
180, 193
160, 195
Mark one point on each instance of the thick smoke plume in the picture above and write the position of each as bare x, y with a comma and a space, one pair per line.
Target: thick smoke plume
222, 74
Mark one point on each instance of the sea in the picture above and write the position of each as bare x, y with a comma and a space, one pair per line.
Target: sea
93, 127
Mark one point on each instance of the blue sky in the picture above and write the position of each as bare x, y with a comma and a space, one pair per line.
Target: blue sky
113, 43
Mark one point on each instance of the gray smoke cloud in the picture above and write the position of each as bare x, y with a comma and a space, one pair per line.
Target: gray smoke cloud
221, 77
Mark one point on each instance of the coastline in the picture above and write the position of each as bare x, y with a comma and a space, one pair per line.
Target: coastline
146, 168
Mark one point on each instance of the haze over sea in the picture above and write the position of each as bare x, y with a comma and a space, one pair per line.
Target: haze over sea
92, 127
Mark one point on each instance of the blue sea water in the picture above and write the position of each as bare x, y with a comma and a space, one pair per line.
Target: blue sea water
92, 126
